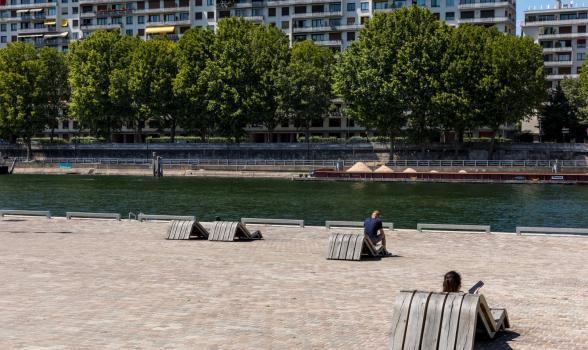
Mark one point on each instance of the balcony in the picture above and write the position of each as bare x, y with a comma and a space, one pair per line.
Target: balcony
560, 76
296, 2
161, 10
175, 22
556, 49
313, 29
486, 5
93, 27
563, 36
317, 14
558, 63
485, 20
28, 6
42, 30
328, 42
101, 2
555, 22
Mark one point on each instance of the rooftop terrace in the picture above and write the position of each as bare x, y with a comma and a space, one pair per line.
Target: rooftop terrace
88, 284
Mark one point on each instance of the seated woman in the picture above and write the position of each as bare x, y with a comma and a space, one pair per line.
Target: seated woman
451, 282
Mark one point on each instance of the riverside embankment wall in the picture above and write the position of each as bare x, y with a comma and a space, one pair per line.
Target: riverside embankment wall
367, 151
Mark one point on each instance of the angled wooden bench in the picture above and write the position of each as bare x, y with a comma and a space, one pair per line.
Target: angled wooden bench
186, 229
449, 227
229, 231
351, 246
443, 321
353, 224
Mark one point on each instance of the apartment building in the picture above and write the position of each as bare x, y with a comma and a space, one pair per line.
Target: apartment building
331, 23
561, 32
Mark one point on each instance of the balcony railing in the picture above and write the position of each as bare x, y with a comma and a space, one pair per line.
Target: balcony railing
489, 5
485, 20
317, 14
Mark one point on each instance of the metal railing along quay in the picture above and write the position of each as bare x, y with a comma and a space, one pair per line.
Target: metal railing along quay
322, 163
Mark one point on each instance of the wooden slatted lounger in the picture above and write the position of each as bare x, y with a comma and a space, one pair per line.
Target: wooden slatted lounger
443, 321
351, 246
186, 229
228, 231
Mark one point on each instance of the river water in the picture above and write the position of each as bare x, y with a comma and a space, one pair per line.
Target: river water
503, 206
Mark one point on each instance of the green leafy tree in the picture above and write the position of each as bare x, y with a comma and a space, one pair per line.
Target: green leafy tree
307, 85
458, 99
364, 76
419, 67
22, 95
557, 114
231, 77
95, 63
271, 54
190, 86
56, 87
514, 87
147, 83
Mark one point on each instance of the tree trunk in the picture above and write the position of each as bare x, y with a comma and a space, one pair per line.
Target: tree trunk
29, 148
138, 130
172, 131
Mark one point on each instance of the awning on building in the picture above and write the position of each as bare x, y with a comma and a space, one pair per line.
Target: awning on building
36, 10
160, 30
64, 23
22, 11
50, 23
56, 35
30, 35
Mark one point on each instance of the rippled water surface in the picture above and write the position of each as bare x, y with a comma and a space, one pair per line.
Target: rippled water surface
503, 206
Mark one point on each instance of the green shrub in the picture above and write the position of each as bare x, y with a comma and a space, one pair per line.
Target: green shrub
86, 140
47, 141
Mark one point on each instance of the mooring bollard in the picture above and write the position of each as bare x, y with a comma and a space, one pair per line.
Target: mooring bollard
157, 165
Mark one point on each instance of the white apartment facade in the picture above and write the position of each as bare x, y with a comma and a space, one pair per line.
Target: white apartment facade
330, 23
561, 32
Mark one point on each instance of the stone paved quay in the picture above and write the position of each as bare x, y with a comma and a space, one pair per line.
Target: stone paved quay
84, 284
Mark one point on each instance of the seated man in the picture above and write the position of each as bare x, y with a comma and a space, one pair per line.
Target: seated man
374, 229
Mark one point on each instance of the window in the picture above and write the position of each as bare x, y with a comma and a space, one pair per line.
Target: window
209, 2
184, 16
75, 24
421, 2
13, 27
300, 9
198, 15
350, 36
285, 11
198, 2
365, 6
285, 25
317, 37
101, 21
318, 8
75, 10
335, 7
271, 12
169, 18
466, 14
2, 27
487, 14
130, 20
580, 56
141, 32
450, 16
3, 39
51, 11
449, 3
581, 29
334, 122
565, 30
141, 19
154, 18
581, 43
210, 15
350, 6
564, 57
435, 3
129, 32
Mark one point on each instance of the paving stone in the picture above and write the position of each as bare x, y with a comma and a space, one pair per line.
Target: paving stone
88, 284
